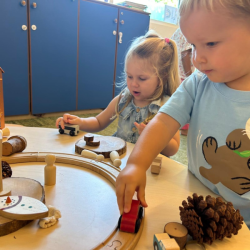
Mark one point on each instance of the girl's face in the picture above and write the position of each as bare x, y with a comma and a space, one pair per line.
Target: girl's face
221, 45
142, 81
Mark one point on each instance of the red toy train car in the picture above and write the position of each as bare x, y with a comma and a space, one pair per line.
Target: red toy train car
130, 222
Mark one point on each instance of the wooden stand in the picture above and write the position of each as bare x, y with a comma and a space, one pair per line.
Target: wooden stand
2, 123
25, 187
107, 145
3, 192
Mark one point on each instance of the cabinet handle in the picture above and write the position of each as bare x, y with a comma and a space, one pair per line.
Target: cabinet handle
115, 20
23, 3
34, 5
120, 37
114, 32
24, 27
33, 27
122, 22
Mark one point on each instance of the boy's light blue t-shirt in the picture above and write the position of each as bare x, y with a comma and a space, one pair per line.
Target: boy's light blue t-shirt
218, 141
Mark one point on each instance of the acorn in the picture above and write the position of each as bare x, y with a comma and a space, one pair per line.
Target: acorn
6, 169
210, 219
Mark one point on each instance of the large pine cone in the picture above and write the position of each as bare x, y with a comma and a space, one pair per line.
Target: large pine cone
6, 169
210, 219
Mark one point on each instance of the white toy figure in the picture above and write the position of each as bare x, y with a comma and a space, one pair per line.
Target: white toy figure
50, 170
115, 158
92, 155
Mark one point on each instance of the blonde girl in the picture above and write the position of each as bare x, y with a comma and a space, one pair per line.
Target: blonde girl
151, 77
215, 102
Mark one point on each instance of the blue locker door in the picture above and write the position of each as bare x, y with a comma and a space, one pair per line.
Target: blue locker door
134, 24
53, 55
97, 45
14, 57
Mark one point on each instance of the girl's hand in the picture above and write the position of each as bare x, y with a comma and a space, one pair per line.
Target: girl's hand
67, 118
140, 127
132, 178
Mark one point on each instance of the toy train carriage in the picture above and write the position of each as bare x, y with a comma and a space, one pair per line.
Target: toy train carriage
69, 129
130, 222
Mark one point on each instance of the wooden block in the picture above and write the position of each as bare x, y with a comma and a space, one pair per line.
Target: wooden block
156, 165
162, 241
88, 137
169, 244
14, 144
2, 123
178, 232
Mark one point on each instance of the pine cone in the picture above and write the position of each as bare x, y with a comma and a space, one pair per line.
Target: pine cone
210, 219
6, 169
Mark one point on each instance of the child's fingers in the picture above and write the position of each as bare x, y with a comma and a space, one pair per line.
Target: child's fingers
128, 196
141, 197
120, 196
137, 125
60, 120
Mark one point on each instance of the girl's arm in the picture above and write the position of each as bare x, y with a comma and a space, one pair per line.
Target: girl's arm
91, 124
151, 142
171, 148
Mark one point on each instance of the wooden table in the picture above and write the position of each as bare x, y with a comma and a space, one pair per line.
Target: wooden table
164, 194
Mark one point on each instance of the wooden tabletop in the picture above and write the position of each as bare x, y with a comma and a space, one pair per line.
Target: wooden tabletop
164, 194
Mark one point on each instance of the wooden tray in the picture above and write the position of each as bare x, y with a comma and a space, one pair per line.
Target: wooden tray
77, 177
107, 145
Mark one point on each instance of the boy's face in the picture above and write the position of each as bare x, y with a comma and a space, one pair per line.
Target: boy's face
221, 45
141, 80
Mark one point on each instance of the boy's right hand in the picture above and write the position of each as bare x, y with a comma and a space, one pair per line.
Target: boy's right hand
67, 118
132, 178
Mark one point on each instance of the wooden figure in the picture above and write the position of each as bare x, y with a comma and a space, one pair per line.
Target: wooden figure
91, 141
178, 232
14, 144
115, 158
50, 170
164, 242
107, 145
3, 192
92, 155
2, 123
6, 132
130, 222
156, 165
69, 129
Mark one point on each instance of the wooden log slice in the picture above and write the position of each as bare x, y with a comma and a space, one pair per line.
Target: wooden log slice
14, 144
25, 187
107, 145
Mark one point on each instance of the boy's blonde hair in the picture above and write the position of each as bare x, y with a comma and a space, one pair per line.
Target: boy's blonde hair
237, 8
162, 56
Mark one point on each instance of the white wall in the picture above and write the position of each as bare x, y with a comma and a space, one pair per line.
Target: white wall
162, 28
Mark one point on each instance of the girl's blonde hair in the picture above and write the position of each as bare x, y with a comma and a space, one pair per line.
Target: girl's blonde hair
238, 8
163, 57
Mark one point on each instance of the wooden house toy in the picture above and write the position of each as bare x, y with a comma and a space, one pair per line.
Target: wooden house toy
164, 242
2, 123
156, 165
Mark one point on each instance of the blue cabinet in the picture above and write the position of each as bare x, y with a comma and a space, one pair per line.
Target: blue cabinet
131, 25
105, 33
63, 55
97, 43
14, 57
53, 55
